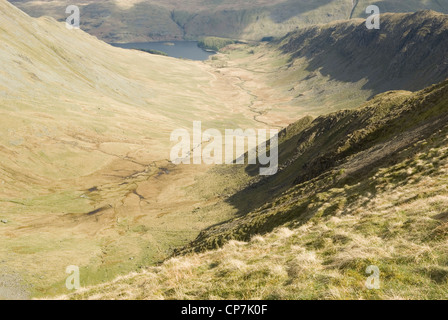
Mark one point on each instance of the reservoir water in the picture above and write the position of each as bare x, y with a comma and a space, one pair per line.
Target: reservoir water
176, 49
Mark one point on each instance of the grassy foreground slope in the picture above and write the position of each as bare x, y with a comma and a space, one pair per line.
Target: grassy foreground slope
149, 20
369, 188
84, 140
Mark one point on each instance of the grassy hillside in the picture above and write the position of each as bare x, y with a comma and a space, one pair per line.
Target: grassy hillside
376, 194
333, 151
84, 142
149, 20
326, 68
85, 127
386, 59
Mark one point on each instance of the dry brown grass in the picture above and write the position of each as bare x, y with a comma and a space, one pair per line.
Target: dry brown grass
398, 230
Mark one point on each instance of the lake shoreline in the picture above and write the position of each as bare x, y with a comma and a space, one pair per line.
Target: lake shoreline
175, 49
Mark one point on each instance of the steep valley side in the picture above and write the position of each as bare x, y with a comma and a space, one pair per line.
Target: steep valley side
374, 195
85, 127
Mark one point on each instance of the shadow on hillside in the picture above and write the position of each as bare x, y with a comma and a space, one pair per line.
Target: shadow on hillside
346, 147
265, 188
407, 53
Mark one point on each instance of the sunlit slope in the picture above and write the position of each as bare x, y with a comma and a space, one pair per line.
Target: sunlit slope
149, 20
368, 187
84, 176
65, 90
84, 147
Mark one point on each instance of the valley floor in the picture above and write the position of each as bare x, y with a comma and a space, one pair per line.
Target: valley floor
400, 229
117, 205
85, 178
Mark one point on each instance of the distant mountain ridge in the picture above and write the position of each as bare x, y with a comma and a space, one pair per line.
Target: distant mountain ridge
152, 20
